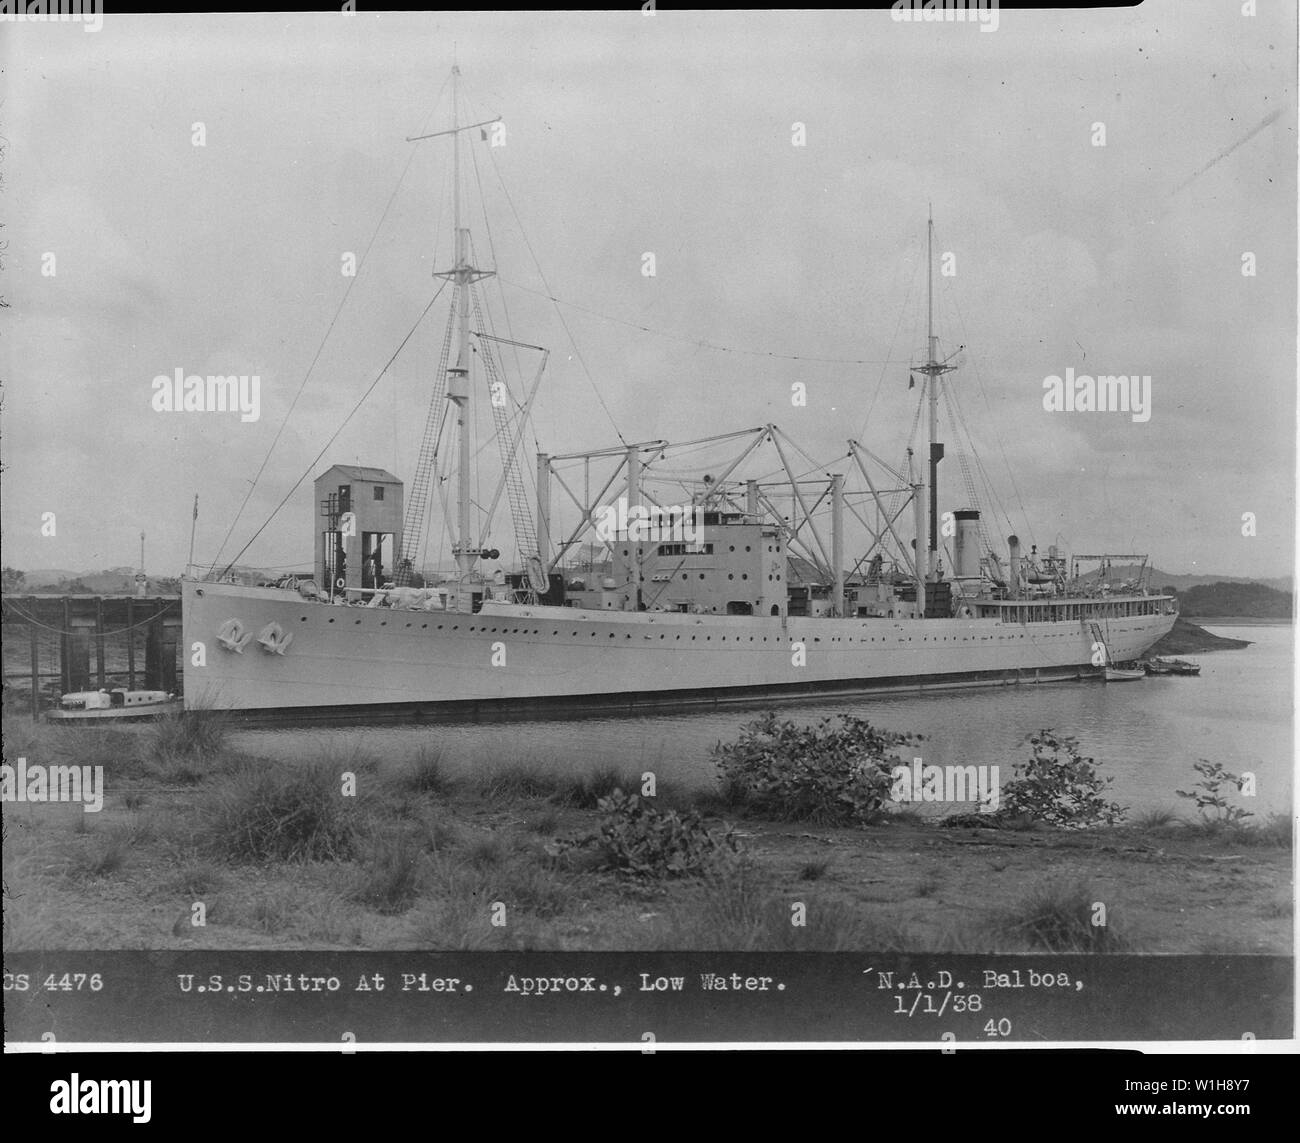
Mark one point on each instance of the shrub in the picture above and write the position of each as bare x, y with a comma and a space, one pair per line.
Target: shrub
1208, 796
826, 774
1062, 791
638, 839
295, 813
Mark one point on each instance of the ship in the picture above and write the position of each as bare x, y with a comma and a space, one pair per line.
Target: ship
738, 593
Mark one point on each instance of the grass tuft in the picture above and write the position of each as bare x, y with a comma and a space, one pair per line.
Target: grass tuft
107, 854
737, 909
389, 879
427, 774
189, 734
282, 813
1156, 819
196, 880
1056, 917
518, 780
544, 822
585, 791
813, 870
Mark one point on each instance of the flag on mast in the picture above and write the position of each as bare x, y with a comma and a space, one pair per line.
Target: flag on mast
911, 381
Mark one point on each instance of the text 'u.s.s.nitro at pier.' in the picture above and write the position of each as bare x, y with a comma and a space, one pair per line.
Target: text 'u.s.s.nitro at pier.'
285, 982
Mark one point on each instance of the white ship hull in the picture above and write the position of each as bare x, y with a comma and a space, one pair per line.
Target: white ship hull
511, 660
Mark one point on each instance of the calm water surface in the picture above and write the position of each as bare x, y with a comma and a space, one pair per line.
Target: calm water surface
1147, 733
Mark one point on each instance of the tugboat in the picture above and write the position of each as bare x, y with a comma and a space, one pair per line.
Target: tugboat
1163, 666
1156, 667
118, 704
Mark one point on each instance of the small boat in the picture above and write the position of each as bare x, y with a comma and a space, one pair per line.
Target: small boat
1156, 667
115, 705
1180, 666
1123, 674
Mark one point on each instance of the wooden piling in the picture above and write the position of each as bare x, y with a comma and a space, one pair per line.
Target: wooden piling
99, 642
130, 643
34, 632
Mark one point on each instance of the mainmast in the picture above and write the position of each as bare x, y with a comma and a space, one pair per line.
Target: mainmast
459, 380
933, 369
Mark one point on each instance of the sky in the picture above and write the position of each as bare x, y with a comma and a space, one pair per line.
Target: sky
1099, 182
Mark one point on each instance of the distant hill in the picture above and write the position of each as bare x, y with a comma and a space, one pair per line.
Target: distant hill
48, 575
1225, 597
1157, 578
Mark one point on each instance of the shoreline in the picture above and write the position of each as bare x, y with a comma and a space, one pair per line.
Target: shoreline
1237, 621
1187, 637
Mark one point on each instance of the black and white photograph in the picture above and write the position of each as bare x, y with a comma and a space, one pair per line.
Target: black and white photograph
529, 527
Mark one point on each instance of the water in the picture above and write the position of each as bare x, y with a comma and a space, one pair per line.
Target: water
1147, 733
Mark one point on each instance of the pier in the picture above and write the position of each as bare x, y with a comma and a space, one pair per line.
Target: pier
89, 642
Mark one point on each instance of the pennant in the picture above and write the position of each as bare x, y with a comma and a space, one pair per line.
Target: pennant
911, 381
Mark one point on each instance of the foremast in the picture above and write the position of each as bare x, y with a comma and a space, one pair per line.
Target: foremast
462, 275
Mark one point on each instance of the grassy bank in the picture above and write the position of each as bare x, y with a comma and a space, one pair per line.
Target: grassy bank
361, 850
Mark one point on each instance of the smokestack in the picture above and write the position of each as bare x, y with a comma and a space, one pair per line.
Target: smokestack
1013, 542
966, 545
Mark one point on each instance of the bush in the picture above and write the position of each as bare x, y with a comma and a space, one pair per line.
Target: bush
1208, 796
1066, 792
828, 775
295, 813
639, 839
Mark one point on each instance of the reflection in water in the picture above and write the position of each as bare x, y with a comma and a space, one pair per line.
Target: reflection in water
1146, 734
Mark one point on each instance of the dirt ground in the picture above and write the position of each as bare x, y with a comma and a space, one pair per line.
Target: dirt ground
129, 877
